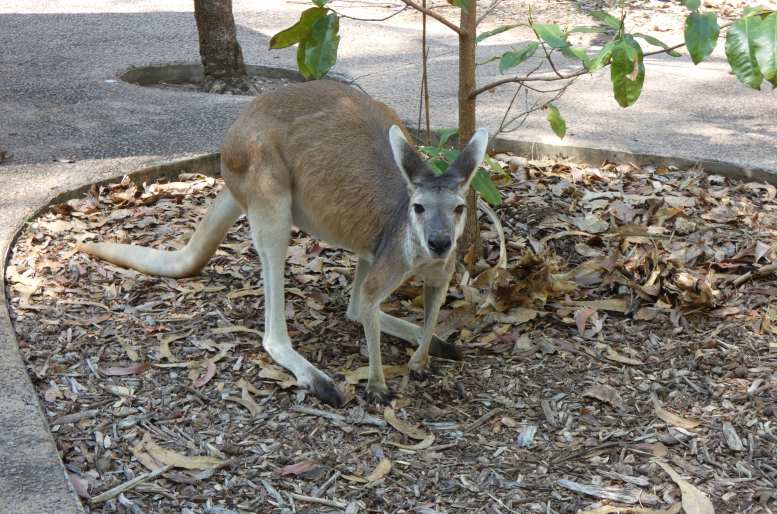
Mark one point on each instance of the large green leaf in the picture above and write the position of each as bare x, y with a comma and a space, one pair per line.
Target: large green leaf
514, 58
298, 31
483, 185
557, 123
766, 47
627, 71
608, 19
656, 42
319, 50
445, 134
601, 58
551, 34
740, 51
494, 32
701, 35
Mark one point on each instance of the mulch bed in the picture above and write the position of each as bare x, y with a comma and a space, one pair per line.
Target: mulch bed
625, 356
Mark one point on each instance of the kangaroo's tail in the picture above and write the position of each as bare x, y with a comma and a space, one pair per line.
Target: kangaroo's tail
186, 262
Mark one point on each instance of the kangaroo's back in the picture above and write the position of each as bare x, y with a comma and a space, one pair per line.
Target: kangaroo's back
328, 144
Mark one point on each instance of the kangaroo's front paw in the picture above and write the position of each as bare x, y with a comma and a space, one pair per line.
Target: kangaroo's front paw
445, 350
378, 394
325, 390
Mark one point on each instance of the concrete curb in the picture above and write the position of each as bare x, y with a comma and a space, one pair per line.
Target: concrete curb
34, 477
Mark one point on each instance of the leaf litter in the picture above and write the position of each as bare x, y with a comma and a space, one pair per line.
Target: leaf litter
631, 333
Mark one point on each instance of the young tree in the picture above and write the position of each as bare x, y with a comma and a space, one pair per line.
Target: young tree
222, 57
751, 50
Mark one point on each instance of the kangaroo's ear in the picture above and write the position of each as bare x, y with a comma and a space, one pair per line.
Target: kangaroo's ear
413, 168
462, 170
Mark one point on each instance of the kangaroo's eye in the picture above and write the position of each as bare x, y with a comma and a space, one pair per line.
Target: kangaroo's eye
418, 208
459, 209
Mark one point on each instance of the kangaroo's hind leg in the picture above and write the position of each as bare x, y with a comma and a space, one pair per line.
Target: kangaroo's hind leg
269, 217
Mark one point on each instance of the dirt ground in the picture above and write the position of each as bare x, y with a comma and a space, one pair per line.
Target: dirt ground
624, 360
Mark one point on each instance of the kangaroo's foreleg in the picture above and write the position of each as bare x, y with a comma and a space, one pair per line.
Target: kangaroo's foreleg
434, 296
270, 225
188, 261
397, 327
376, 286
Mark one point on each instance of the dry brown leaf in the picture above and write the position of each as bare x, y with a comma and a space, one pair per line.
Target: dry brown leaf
610, 304
402, 426
606, 394
517, 316
380, 471
273, 372
355, 376
204, 378
423, 445
173, 458
134, 369
615, 509
236, 328
671, 418
610, 354
693, 500
581, 318
297, 468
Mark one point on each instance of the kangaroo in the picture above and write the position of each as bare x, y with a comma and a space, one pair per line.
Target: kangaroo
337, 164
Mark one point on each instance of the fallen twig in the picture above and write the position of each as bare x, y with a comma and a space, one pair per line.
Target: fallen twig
77, 416
482, 419
366, 419
126, 486
321, 501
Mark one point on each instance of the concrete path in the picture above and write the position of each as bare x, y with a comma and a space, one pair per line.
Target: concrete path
60, 99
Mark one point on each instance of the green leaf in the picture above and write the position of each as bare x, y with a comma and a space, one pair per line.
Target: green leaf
557, 123
298, 31
438, 165
608, 19
766, 47
576, 53
627, 71
461, 4
740, 51
318, 52
320, 3
551, 34
445, 134
514, 58
692, 5
657, 42
498, 30
701, 35
601, 58
483, 185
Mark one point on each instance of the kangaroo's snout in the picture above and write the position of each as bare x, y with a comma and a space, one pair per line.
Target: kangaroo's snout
439, 244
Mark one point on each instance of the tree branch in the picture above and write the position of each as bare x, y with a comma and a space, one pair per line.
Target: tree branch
432, 14
559, 76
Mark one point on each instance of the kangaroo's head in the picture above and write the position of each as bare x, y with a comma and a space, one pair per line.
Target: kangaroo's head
437, 202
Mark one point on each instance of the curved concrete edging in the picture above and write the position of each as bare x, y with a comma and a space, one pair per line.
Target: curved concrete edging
596, 156
33, 474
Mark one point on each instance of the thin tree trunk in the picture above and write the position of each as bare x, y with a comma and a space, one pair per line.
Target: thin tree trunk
220, 52
471, 239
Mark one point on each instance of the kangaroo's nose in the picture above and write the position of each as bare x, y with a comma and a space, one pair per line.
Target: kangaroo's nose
439, 244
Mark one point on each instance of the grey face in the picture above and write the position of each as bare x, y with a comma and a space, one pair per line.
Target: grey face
438, 218
437, 203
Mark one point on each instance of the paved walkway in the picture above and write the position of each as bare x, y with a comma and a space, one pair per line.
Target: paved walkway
59, 99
